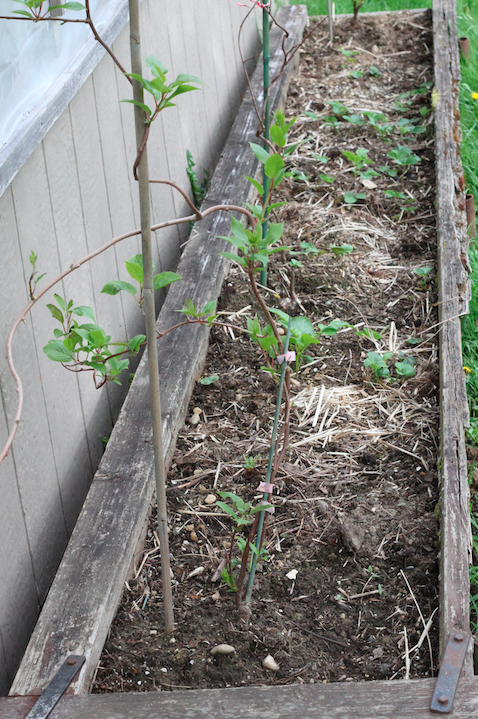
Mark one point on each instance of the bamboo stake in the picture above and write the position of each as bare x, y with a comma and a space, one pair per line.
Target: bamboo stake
150, 318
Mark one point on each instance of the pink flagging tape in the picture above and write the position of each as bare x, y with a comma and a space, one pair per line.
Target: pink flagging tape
269, 509
288, 357
265, 487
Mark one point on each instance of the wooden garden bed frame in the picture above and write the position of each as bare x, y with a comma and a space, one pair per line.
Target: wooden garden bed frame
82, 601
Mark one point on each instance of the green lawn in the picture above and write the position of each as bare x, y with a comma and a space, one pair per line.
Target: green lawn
319, 7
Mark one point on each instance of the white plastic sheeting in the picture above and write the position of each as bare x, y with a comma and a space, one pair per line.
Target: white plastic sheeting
33, 55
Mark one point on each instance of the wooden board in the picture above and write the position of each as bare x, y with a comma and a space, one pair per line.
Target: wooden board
87, 588
344, 700
453, 295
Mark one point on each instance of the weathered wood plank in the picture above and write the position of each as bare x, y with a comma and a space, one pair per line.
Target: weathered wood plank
454, 294
88, 585
361, 700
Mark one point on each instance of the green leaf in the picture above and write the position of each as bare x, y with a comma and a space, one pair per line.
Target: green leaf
320, 158
61, 302
57, 313
56, 351
422, 271
301, 326
229, 510
338, 251
261, 154
84, 311
187, 78
115, 286
165, 278
405, 369
134, 267
278, 136
22, 12
33, 258
235, 258
141, 105
209, 380
156, 67
76, 6
327, 178
256, 184
274, 164
135, 343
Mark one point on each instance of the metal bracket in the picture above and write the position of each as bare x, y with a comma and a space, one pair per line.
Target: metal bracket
57, 687
449, 674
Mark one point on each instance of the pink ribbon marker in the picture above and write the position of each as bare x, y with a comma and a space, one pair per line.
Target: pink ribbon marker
288, 357
269, 509
265, 487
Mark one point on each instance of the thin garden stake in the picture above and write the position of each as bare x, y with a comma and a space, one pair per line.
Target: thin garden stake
150, 319
265, 495
266, 56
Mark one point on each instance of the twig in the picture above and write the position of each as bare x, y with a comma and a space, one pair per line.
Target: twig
319, 636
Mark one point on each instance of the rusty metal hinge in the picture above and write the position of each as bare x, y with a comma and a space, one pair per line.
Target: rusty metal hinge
449, 674
57, 687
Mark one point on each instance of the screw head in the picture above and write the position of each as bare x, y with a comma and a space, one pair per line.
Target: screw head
459, 637
443, 699
71, 661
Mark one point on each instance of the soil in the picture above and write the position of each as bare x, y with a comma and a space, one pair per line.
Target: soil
351, 574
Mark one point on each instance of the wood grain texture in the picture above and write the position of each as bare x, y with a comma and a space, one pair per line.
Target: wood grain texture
360, 700
454, 294
88, 585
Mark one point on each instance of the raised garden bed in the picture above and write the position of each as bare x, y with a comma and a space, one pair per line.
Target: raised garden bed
357, 495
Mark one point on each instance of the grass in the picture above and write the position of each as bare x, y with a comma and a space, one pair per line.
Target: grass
319, 7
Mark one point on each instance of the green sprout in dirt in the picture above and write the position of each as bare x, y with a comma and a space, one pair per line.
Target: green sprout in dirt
359, 159
243, 514
379, 364
403, 156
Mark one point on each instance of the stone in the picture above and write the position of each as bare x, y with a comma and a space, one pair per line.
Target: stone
270, 663
223, 650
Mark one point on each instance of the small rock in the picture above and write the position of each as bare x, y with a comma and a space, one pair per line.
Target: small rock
197, 472
238, 397
353, 534
189, 527
270, 663
193, 537
292, 574
153, 632
377, 653
172, 640
224, 649
210, 499
194, 420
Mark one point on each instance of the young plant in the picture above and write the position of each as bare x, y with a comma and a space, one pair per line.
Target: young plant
403, 156
359, 159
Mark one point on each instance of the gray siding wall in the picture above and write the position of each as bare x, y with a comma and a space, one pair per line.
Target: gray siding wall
73, 194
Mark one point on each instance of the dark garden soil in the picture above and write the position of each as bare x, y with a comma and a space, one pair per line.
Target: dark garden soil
351, 577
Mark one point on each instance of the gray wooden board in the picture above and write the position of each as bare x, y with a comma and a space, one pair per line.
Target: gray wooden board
344, 700
87, 588
454, 292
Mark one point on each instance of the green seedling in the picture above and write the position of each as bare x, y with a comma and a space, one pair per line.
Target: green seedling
390, 171
374, 71
368, 174
356, 74
327, 178
33, 280
379, 122
369, 334
406, 367
338, 108
396, 195
340, 250
359, 159
405, 125
378, 364
309, 249
242, 514
349, 54
297, 175
199, 189
209, 380
354, 119
250, 463
320, 158
350, 198
403, 156
422, 271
